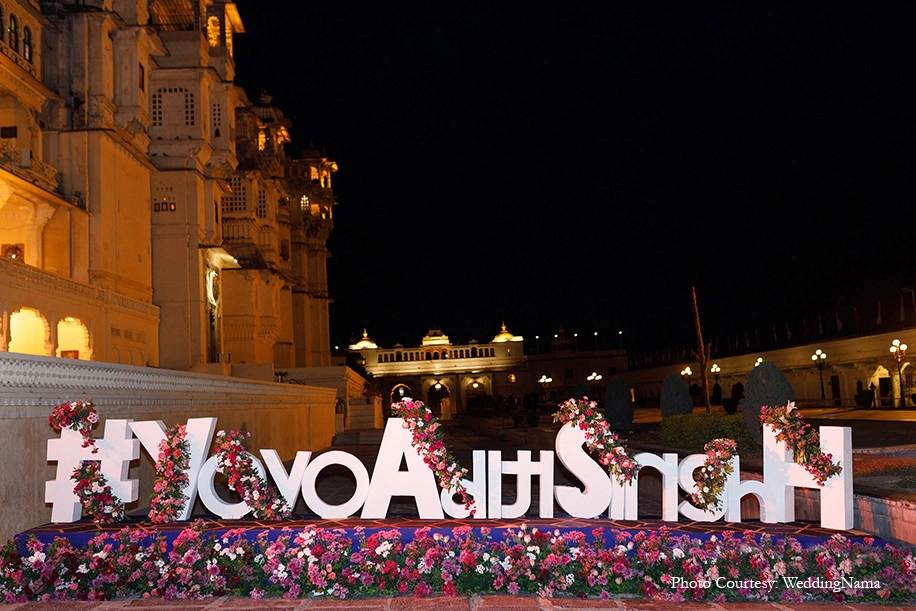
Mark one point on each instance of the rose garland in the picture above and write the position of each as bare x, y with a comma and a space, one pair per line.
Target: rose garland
77, 415
94, 493
427, 439
232, 460
799, 437
171, 476
91, 487
599, 437
715, 470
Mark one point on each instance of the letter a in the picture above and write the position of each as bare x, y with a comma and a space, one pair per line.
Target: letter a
388, 480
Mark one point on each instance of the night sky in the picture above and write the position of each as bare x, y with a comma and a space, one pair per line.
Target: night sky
585, 166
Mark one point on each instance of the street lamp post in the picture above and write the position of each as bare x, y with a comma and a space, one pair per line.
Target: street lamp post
545, 383
596, 341
715, 370
537, 340
687, 372
898, 351
820, 361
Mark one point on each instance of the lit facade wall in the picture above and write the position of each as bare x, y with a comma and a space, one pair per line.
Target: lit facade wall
118, 173
74, 213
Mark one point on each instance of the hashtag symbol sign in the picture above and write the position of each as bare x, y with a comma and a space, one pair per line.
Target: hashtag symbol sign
115, 451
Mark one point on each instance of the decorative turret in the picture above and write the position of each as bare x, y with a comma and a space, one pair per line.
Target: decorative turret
505, 336
364, 344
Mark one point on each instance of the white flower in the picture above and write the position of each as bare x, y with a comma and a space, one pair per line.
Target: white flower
790, 406
677, 552
383, 549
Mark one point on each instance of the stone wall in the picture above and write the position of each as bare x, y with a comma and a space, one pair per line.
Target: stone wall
284, 417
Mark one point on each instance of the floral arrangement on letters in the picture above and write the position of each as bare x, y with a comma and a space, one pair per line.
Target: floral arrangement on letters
712, 475
804, 441
171, 476
599, 437
91, 487
316, 562
77, 415
427, 439
232, 460
95, 495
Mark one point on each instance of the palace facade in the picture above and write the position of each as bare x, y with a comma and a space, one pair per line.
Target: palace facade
149, 214
449, 376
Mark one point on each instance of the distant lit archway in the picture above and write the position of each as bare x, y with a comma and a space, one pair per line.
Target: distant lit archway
399, 392
29, 333
436, 393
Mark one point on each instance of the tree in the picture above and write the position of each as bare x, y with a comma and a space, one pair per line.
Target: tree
702, 351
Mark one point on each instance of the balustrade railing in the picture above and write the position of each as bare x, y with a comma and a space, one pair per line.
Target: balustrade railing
29, 168
17, 274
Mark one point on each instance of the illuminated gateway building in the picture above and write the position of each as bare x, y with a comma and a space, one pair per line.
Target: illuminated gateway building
148, 212
443, 375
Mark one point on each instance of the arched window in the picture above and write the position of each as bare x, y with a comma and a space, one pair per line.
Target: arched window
14, 33
27, 44
2, 28
213, 31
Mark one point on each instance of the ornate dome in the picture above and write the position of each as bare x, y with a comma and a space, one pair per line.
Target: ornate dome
505, 336
364, 344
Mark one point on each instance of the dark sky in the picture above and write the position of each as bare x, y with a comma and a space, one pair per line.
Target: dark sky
586, 166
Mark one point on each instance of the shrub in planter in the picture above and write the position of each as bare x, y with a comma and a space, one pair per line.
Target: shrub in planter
532, 419
766, 385
675, 399
693, 431
618, 405
730, 405
738, 391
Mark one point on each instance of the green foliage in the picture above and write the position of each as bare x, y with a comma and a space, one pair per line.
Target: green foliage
693, 431
766, 385
675, 399
618, 405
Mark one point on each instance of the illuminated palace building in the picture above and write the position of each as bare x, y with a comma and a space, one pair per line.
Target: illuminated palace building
148, 212
449, 376
443, 375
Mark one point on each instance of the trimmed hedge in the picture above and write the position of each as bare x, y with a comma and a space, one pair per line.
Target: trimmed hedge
766, 386
693, 431
675, 398
618, 405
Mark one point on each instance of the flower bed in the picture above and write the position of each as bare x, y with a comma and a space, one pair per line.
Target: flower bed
656, 564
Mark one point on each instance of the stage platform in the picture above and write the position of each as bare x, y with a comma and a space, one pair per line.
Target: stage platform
808, 534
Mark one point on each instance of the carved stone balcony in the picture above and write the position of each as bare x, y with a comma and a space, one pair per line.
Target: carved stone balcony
25, 165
